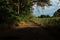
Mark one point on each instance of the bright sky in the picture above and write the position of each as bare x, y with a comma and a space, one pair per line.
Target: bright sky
48, 10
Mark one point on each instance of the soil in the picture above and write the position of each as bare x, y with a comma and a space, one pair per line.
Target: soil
28, 24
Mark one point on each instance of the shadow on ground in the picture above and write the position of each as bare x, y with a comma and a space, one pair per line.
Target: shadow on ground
49, 33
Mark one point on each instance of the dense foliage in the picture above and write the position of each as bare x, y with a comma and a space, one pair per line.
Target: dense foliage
11, 9
44, 16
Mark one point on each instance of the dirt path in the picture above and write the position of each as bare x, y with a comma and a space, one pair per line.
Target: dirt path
29, 24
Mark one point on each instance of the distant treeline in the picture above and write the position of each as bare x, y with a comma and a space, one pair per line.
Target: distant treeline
56, 14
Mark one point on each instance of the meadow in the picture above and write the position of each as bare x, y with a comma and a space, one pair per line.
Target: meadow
53, 21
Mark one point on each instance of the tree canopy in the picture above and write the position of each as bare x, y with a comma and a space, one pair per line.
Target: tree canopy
22, 8
57, 13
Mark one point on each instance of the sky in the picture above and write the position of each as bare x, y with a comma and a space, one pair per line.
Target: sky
48, 10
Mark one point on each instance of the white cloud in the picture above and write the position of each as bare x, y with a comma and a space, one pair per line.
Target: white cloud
54, 2
59, 4
48, 7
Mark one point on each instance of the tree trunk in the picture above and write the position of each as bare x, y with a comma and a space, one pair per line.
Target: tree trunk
18, 7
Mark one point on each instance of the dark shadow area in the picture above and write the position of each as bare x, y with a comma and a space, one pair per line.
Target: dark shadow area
50, 33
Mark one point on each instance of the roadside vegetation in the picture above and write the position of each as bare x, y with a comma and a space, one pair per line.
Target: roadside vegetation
17, 21
53, 21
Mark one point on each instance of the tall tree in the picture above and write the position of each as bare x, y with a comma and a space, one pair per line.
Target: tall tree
57, 13
21, 7
18, 7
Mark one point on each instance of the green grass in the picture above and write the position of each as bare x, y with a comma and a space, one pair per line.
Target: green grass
44, 21
47, 21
